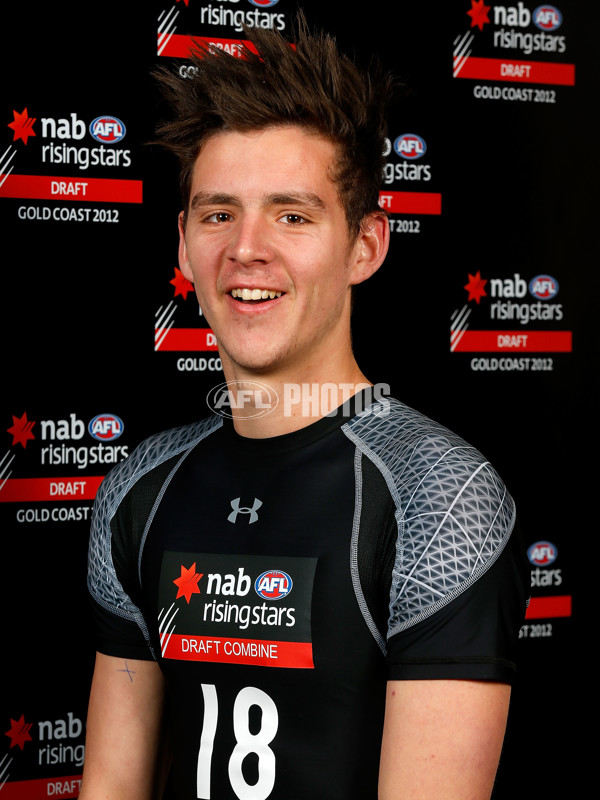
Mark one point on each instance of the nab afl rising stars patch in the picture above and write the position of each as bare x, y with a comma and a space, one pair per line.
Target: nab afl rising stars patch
236, 609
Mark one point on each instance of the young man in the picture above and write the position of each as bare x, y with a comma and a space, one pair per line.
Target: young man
316, 605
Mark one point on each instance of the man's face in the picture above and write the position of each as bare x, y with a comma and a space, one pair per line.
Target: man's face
266, 244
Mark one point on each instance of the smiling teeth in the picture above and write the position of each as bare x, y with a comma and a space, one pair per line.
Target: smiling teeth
255, 294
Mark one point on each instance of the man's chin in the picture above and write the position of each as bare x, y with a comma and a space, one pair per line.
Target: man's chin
258, 363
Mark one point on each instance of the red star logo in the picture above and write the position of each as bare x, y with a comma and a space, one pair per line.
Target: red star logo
475, 287
181, 284
21, 430
19, 732
478, 14
187, 583
22, 125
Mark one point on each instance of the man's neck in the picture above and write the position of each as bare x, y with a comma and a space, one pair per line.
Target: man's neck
269, 405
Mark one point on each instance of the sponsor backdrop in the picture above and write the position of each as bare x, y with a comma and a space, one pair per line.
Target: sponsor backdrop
482, 316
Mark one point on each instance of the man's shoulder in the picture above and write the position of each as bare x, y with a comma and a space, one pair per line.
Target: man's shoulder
154, 451
391, 428
453, 512
424, 462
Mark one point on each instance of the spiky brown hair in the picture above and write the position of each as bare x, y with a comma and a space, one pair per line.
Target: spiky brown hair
310, 84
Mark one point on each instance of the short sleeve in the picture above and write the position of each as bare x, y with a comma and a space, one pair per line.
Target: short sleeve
119, 519
474, 637
448, 565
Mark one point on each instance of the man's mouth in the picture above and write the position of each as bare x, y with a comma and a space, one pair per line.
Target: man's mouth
254, 295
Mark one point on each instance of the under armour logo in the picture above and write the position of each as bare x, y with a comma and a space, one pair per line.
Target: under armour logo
237, 509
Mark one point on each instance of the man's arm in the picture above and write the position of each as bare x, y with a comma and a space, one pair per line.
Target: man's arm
442, 739
124, 730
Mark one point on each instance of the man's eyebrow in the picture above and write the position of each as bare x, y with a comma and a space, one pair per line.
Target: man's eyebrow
295, 199
202, 198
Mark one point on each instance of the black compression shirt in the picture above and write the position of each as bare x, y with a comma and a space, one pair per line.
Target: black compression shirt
281, 582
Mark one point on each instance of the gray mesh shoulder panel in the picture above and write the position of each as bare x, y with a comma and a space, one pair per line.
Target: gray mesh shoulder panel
103, 584
453, 512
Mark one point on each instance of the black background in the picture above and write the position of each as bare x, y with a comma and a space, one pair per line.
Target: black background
518, 184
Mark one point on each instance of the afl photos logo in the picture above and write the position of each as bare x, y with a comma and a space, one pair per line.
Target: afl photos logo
242, 399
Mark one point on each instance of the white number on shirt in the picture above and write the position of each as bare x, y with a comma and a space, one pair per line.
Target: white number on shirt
247, 742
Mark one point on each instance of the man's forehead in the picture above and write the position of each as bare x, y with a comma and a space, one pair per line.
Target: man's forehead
277, 149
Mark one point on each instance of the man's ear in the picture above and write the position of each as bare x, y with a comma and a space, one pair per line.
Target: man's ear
184, 263
371, 247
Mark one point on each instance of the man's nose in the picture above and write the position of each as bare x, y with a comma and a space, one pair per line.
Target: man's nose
250, 242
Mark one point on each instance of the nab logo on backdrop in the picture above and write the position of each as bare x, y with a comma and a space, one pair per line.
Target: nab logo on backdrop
59, 444
61, 145
511, 322
518, 56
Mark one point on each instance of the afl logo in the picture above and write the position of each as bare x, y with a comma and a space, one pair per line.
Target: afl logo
542, 554
547, 18
108, 130
105, 427
544, 287
264, 3
273, 584
247, 399
410, 146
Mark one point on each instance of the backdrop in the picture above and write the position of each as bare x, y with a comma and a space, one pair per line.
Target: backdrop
482, 316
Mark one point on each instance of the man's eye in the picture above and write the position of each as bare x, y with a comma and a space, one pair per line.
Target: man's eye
293, 219
219, 216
